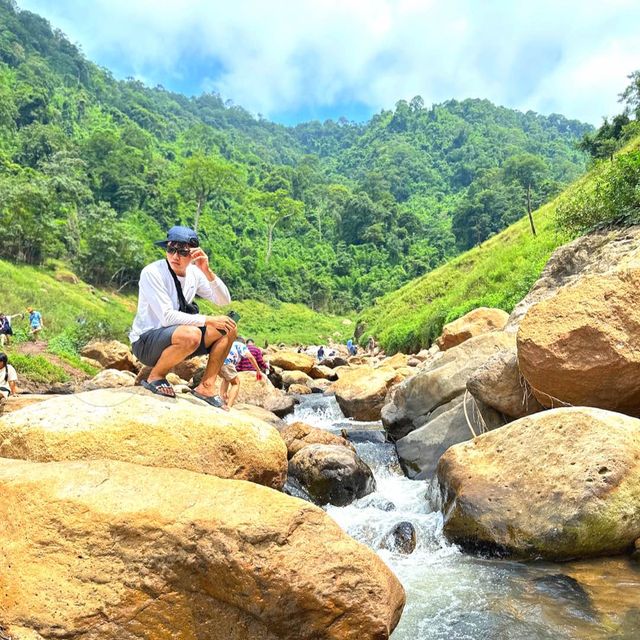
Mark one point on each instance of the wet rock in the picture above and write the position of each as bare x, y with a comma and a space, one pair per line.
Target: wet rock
559, 484
582, 346
401, 539
299, 390
298, 435
331, 474
377, 436
376, 501
476, 322
319, 386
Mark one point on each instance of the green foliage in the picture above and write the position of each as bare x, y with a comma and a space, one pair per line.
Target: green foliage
612, 196
38, 368
334, 214
498, 273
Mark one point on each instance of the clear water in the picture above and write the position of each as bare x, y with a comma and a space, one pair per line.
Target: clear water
455, 596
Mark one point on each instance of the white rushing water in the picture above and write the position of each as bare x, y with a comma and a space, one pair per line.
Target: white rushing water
452, 595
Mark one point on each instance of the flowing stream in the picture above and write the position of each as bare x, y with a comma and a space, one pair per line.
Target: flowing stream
455, 596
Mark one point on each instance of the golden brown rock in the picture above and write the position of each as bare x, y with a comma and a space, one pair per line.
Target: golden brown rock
361, 391
582, 346
295, 377
298, 435
474, 323
113, 551
559, 484
299, 390
134, 426
111, 354
292, 361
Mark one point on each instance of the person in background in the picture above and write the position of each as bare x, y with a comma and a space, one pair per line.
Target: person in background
351, 347
246, 365
371, 345
229, 372
320, 353
5, 327
168, 327
36, 325
8, 380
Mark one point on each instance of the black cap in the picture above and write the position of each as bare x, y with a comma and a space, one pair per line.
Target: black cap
180, 234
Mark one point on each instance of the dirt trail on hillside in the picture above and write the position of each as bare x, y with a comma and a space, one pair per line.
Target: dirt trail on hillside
39, 348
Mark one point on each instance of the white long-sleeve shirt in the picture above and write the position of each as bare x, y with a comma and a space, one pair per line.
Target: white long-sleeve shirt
158, 298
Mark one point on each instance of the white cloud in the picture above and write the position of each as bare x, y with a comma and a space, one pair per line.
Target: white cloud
571, 57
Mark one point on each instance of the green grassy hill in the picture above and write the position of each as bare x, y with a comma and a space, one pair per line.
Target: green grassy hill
75, 312
497, 273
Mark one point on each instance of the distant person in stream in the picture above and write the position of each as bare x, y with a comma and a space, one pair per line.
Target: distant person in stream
8, 380
169, 328
320, 353
245, 363
36, 324
371, 345
351, 347
229, 371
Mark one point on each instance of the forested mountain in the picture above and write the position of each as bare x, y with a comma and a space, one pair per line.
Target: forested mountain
92, 170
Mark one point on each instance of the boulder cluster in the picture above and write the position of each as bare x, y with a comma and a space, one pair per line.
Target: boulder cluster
131, 516
530, 423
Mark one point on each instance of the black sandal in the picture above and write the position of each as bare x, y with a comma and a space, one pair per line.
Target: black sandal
160, 387
214, 401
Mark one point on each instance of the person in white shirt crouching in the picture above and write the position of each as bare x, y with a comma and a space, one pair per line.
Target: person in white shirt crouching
168, 327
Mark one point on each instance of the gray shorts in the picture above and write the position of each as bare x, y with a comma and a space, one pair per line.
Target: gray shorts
149, 346
228, 372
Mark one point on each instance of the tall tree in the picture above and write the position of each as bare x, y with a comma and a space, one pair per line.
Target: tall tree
529, 171
207, 179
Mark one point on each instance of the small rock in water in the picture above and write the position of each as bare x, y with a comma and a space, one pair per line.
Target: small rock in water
366, 435
377, 502
402, 538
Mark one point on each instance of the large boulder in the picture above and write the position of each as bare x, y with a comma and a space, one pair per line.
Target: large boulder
582, 346
498, 383
331, 474
396, 361
298, 435
295, 377
320, 371
335, 361
438, 382
15, 403
595, 253
420, 450
110, 379
134, 426
292, 361
361, 392
111, 354
558, 484
474, 323
108, 550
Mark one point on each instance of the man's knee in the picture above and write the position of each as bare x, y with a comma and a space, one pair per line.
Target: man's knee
189, 337
235, 381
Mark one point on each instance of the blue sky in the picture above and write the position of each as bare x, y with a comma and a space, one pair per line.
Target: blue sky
316, 59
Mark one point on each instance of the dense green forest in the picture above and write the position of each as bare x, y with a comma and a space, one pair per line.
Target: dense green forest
332, 214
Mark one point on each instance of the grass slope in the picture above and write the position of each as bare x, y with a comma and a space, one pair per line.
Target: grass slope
497, 273
74, 313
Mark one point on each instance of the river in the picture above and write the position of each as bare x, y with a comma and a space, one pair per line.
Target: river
455, 596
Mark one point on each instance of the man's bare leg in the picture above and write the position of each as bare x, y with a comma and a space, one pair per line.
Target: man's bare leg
184, 341
233, 392
220, 347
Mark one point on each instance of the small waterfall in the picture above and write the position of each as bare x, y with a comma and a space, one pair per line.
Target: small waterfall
453, 596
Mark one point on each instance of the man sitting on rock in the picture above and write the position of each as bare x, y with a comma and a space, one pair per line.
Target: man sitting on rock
168, 327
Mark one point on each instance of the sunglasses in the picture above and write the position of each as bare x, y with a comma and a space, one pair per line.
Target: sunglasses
183, 253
